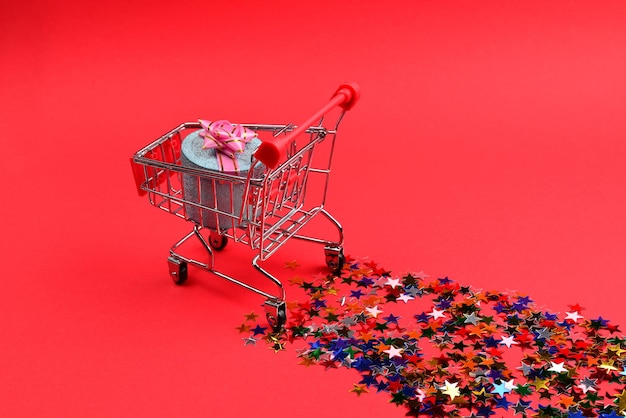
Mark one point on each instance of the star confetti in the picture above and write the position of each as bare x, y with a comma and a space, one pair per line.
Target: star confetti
445, 350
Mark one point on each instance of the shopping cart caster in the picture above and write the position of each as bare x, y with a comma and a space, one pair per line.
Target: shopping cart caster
178, 270
217, 241
334, 259
276, 313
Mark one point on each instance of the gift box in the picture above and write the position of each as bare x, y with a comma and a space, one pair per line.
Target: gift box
210, 191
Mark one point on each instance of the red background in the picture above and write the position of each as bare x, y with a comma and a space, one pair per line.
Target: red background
488, 146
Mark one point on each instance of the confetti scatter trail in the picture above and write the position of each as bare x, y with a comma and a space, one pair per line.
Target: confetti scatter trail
451, 350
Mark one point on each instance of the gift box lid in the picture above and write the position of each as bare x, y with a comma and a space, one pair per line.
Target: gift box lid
194, 152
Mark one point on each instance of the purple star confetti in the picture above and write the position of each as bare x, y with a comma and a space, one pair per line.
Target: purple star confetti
441, 349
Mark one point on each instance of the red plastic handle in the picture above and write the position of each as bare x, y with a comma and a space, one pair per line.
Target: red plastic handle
271, 152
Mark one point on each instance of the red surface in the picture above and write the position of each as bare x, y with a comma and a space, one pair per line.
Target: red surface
488, 146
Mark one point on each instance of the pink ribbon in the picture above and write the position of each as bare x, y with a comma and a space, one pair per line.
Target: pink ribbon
228, 140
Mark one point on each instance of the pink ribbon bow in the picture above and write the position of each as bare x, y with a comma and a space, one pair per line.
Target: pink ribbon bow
228, 140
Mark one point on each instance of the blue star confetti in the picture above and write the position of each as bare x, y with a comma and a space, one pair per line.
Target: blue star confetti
461, 352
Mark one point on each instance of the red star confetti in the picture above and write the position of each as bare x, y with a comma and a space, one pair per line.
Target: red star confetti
445, 350
293, 264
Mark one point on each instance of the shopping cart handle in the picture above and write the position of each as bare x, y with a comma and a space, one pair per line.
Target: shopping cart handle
272, 151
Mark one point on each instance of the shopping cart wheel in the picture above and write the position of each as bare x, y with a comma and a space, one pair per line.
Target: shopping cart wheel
217, 241
334, 258
276, 313
178, 270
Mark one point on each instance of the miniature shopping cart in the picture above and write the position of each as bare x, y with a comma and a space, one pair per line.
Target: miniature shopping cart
262, 209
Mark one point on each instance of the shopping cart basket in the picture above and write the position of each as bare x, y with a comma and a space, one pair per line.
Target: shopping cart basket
262, 209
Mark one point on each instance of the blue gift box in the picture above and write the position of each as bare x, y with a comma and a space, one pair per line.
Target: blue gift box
223, 195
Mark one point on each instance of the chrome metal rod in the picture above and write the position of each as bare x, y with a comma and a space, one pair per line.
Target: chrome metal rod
255, 263
195, 232
247, 286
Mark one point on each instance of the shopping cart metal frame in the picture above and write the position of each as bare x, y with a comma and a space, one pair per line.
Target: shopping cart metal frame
275, 205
